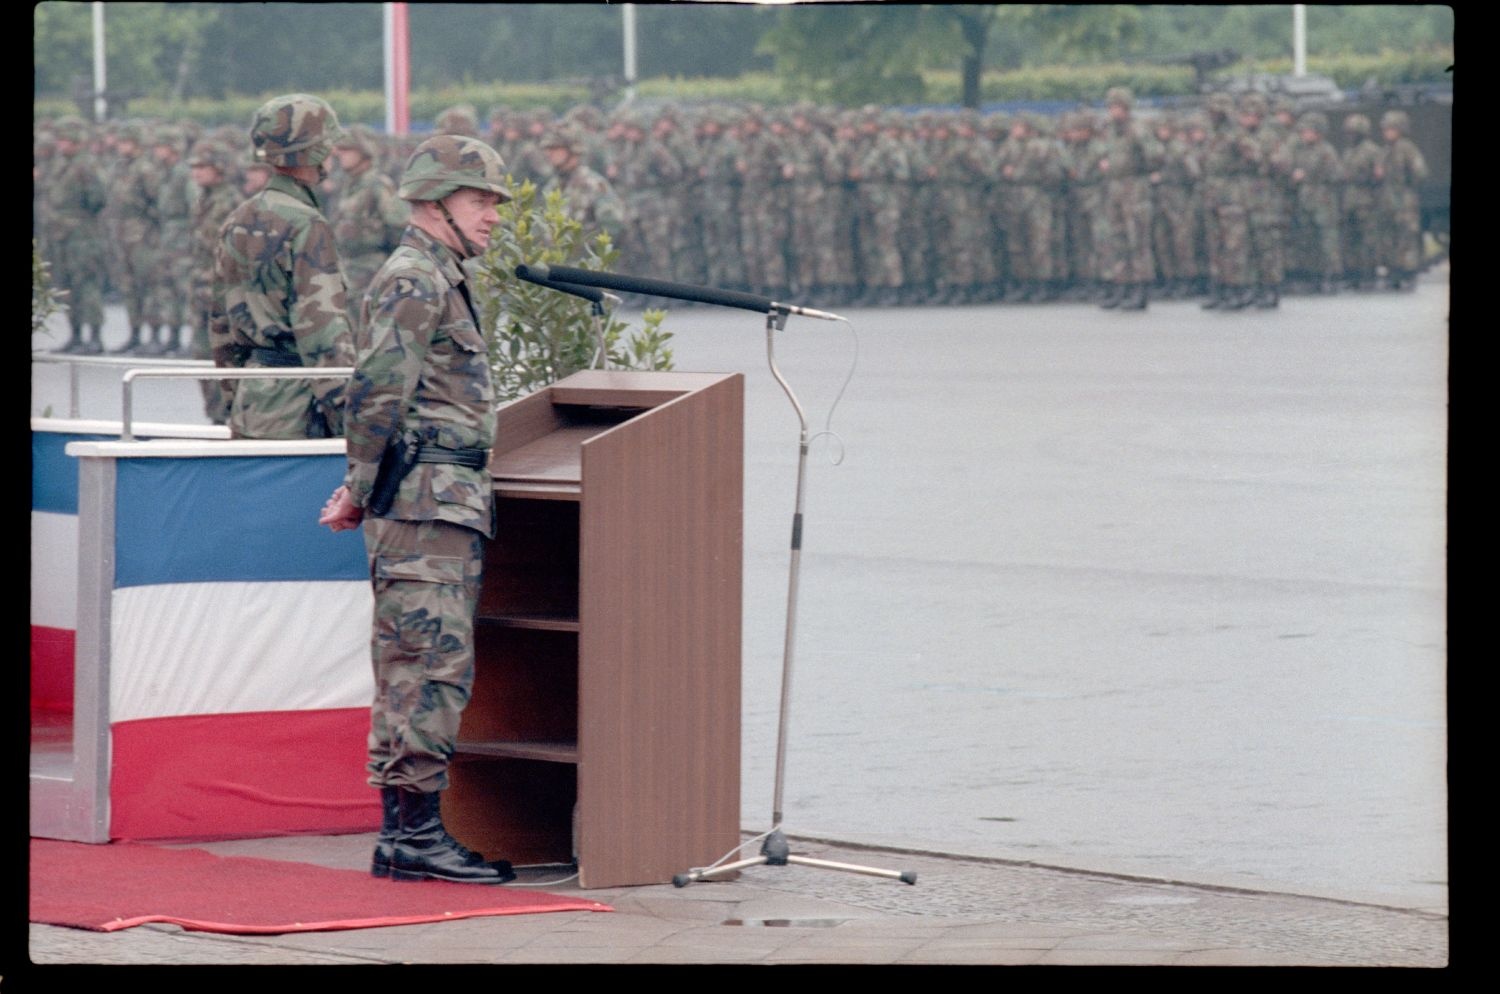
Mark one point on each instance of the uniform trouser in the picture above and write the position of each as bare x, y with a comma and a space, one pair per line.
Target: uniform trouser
1401, 232
880, 240
1125, 256
78, 269
426, 577
1175, 233
1319, 246
1028, 218
136, 254
1361, 242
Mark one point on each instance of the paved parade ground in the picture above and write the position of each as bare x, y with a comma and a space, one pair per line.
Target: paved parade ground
1127, 631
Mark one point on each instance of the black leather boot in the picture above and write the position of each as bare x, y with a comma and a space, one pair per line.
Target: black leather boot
1236, 298
1134, 298
424, 850
92, 345
390, 825
74, 342
1267, 298
1112, 295
131, 347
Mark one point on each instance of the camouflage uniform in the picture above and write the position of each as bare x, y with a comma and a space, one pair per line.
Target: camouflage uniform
370, 218
1085, 202
1132, 153
764, 207
423, 376
814, 214
587, 196
882, 171
1030, 172
134, 187
1316, 177
1177, 217
1403, 170
279, 293
171, 289
1227, 160
75, 197
1264, 199
1363, 169
212, 205
719, 222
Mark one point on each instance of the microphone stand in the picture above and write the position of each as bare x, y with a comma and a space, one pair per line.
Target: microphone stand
775, 850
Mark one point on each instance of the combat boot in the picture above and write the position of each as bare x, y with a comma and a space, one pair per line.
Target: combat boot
131, 347
91, 345
1236, 298
1112, 295
1135, 298
175, 346
390, 826
1217, 294
74, 342
154, 345
1329, 287
423, 849
1267, 298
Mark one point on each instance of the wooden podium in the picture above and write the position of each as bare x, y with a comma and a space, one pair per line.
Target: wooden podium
605, 721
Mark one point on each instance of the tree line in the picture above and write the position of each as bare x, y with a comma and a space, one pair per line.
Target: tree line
846, 53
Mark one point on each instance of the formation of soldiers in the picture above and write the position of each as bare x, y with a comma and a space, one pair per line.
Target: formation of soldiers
1236, 204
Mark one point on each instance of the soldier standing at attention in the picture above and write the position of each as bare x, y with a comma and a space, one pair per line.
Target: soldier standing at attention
1316, 178
370, 217
1402, 171
75, 197
1130, 155
587, 197
171, 286
212, 167
279, 292
423, 381
1362, 167
133, 190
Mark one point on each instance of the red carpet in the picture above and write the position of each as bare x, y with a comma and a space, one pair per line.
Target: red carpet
115, 886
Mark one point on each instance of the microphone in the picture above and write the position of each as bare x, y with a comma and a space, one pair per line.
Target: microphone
530, 275
662, 288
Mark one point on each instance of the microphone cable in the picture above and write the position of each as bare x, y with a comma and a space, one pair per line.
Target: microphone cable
828, 421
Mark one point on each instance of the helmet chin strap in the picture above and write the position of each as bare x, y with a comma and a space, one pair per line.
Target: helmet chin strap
470, 249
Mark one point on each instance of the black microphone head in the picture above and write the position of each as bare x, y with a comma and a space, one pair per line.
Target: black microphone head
534, 272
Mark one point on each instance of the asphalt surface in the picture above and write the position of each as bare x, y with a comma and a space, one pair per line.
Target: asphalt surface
1172, 485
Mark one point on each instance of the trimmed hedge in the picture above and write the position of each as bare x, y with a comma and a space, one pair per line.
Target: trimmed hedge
1079, 84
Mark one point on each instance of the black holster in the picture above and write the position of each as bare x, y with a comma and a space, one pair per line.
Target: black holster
398, 459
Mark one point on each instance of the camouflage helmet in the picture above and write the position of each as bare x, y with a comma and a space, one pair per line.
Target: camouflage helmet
1119, 95
1254, 103
460, 119
208, 152
71, 128
1395, 119
563, 136
1357, 124
1313, 121
445, 163
294, 130
131, 131
1220, 102
360, 138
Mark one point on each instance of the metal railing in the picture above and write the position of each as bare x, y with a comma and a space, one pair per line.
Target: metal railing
75, 362
226, 373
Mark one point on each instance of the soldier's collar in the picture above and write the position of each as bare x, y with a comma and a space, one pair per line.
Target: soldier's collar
292, 188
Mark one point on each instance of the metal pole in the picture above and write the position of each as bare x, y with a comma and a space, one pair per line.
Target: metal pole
387, 31
231, 373
629, 16
101, 106
1299, 39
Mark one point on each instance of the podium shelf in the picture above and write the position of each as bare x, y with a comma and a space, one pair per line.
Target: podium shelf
547, 752
535, 621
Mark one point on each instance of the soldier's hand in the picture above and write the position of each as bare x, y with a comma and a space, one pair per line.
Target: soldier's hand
340, 513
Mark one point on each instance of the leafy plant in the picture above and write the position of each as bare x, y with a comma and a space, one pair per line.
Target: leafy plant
536, 335
45, 300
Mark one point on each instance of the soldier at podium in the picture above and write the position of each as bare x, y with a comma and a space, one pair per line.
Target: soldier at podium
420, 420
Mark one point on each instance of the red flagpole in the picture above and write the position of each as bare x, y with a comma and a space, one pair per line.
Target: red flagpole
397, 69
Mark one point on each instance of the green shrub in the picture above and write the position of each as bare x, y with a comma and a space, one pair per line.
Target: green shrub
538, 336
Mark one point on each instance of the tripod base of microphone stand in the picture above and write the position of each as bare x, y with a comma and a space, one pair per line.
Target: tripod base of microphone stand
776, 852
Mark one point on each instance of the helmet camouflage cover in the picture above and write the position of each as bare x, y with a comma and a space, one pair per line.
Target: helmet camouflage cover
208, 152
1357, 124
1119, 95
445, 163
72, 129
295, 130
1395, 119
360, 138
